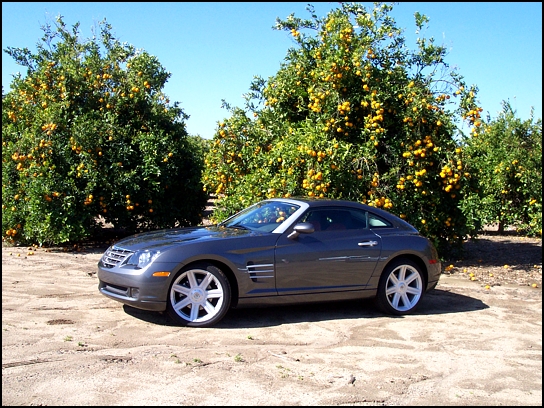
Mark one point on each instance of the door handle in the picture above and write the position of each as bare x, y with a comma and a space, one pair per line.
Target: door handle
368, 243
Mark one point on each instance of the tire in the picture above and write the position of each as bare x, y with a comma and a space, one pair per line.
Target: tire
199, 296
401, 288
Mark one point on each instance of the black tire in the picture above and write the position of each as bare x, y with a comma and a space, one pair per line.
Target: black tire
401, 287
199, 296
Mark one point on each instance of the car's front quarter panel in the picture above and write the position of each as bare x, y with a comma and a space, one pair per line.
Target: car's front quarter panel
250, 258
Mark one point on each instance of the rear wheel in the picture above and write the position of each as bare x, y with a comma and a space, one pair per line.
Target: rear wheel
400, 288
199, 296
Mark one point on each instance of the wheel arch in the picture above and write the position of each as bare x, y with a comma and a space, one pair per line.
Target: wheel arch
417, 260
392, 297
226, 270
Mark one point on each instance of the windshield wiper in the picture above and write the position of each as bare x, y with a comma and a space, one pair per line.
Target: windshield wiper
237, 226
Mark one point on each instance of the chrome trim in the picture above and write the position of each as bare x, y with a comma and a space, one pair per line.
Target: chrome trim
349, 258
115, 256
368, 243
254, 271
335, 258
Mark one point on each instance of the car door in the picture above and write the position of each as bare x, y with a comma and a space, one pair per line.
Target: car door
340, 256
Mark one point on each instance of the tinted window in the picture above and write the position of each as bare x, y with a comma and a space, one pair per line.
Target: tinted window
330, 219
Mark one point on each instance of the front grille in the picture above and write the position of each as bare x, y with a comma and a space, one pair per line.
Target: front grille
114, 256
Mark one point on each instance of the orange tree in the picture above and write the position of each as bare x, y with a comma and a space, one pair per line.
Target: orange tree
88, 132
352, 113
508, 158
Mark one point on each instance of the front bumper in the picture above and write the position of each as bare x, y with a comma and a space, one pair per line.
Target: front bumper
137, 288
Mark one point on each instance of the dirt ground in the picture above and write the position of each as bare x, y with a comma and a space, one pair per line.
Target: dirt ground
472, 342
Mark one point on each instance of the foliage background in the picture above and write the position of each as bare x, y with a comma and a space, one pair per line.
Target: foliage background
88, 133
352, 113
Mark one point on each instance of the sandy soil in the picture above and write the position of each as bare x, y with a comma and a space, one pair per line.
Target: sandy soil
65, 344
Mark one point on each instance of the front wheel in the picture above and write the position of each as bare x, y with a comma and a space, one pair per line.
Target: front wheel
199, 296
400, 288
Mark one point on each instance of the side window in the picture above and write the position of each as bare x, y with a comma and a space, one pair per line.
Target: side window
332, 219
316, 218
377, 222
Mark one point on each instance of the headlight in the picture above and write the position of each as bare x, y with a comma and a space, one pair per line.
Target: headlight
140, 259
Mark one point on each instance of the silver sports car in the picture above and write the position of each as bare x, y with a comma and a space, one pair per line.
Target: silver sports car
278, 251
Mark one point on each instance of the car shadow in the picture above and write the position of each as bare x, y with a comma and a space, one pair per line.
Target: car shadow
159, 318
435, 302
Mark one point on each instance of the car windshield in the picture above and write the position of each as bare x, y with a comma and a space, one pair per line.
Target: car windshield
264, 216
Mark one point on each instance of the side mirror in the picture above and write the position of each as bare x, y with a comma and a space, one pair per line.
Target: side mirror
301, 228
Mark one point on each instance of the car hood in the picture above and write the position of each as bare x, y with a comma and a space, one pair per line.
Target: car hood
162, 239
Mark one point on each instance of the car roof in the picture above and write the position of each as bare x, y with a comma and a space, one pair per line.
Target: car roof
323, 202
328, 202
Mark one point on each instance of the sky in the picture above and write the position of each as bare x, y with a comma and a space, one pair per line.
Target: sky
214, 50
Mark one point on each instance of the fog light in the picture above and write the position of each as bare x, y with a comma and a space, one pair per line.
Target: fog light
134, 292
